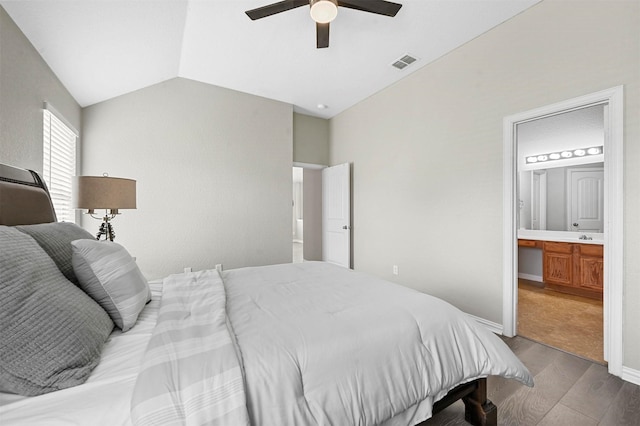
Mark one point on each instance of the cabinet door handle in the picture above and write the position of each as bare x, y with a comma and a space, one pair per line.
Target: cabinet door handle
346, 227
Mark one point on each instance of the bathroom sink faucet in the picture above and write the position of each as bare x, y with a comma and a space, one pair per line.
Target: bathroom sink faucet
584, 237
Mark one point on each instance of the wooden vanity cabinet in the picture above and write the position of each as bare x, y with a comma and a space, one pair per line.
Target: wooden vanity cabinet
573, 268
530, 243
557, 263
590, 268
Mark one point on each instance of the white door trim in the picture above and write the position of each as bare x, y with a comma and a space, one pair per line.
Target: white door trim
613, 216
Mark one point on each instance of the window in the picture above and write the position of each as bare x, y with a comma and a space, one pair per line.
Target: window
59, 162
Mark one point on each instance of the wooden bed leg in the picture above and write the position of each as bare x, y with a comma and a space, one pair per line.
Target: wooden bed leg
478, 410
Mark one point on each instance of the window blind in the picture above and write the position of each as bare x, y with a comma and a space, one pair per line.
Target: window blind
59, 164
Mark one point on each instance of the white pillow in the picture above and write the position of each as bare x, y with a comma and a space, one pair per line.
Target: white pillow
108, 274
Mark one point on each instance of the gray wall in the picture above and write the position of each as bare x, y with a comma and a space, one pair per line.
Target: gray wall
25, 83
312, 214
556, 199
310, 139
213, 168
427, 152
311, 146
530, 263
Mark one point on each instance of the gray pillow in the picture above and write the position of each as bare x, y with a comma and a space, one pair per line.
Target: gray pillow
51, 332
107, 272
55, 238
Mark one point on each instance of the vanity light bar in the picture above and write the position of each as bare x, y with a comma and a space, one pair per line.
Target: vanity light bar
581, 152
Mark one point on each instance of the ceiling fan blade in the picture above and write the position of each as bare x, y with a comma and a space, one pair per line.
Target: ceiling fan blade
379, 7
272, 9
322, 35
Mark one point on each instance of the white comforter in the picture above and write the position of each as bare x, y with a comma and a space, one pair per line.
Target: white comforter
321, 345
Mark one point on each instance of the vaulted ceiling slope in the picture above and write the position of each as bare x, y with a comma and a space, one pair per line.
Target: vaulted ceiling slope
101, 49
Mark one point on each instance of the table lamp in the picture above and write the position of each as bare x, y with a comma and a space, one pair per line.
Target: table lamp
103, 192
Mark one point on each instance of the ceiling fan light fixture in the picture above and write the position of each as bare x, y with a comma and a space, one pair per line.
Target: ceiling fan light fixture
324, 11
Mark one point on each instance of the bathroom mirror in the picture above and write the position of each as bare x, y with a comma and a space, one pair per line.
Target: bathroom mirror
561, 171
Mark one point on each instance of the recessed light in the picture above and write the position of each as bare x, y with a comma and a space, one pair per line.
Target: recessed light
322, 106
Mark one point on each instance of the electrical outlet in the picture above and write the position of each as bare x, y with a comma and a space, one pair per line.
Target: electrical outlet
395, 269
187, 270
219, 267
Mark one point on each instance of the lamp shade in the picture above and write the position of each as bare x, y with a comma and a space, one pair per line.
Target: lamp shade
103, 192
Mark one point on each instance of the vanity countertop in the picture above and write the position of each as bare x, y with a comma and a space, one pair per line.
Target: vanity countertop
562, 237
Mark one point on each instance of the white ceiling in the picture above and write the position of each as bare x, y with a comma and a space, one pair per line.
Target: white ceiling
100, 49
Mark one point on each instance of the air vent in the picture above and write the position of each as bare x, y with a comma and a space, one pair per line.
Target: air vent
404, 62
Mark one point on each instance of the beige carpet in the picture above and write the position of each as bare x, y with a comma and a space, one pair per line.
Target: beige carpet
571, 323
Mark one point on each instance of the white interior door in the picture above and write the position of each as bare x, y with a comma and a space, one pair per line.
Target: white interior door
586, 199
336, 215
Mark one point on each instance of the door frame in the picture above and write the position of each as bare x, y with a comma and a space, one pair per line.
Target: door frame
613, 217
309, 227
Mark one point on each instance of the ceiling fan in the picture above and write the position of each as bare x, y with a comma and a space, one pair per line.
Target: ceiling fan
325, 11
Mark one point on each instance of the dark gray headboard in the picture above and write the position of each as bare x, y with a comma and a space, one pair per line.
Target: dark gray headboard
24, 198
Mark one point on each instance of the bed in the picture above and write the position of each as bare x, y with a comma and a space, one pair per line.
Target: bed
291, 344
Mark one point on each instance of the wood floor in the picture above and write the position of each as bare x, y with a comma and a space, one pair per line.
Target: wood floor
567, 322
568, 391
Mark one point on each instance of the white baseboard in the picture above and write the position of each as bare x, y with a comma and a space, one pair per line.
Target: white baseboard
631, 375
492, 326
530, 277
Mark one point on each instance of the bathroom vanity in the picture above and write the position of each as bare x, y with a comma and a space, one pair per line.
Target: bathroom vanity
570, 266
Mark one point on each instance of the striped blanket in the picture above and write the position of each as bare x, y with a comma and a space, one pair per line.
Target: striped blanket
190, 373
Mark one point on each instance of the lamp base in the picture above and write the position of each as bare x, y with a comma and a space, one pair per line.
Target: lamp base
106, 229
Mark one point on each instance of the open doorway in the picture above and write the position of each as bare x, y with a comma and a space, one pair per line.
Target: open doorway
612, 237
560, 174
297, 216
306, 217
